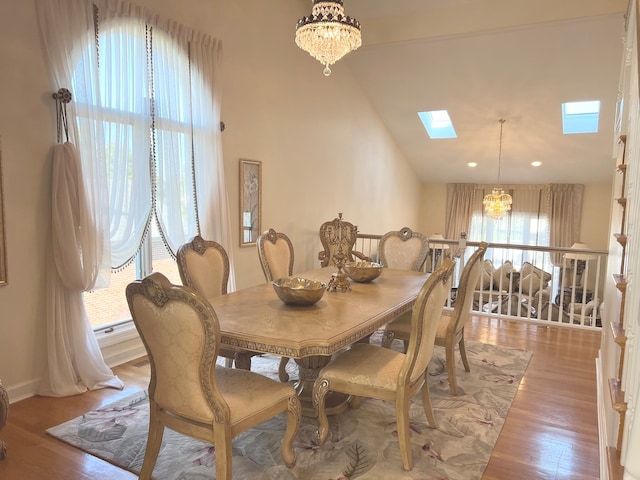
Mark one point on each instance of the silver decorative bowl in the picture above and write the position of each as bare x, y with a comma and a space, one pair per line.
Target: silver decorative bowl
299, 291
363, 272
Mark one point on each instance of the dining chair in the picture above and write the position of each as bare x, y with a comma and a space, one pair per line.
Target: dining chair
450, 330
338, 233
275, 252
188, 392
371, 371
204, 266
403, 249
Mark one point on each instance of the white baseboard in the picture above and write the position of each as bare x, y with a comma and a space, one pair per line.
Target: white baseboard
120, 345
602, 421
22, 390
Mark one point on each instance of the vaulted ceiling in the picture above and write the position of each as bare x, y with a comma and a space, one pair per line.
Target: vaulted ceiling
483, 60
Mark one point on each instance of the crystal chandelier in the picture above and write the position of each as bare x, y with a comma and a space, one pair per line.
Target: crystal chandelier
327, 34
497, 203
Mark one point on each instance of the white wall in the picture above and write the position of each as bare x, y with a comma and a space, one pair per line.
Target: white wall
27, 127
322, 147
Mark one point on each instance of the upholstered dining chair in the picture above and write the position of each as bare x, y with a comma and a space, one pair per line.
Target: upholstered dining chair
338, 233
403, 249
275, 252
204, 266
188, 392
367, 370
451, 325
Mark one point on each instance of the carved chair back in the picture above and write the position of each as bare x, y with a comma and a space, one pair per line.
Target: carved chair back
403, 249
275, 252
204, 266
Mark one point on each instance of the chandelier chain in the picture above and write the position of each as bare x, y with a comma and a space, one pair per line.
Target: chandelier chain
502, 120
498, 203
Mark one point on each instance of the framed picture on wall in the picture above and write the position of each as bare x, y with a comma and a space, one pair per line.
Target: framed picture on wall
250, 201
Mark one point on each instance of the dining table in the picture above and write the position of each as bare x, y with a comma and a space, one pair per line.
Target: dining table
254, 319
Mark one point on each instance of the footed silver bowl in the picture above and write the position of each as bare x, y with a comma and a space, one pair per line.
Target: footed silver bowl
299, 291
363, 272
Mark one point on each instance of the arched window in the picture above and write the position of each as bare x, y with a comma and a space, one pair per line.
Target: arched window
145, 104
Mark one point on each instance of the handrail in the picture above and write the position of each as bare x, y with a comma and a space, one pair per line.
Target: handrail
568, 295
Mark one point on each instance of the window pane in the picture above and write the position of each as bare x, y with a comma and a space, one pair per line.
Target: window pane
109, 305
163, 262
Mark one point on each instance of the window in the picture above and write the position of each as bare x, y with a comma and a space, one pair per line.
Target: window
437, 124
526, 224
141, 108
580, 117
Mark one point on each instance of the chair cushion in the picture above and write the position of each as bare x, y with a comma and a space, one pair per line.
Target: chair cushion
247, 392
366, 364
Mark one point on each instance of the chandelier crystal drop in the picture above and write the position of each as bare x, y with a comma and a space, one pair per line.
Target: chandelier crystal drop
328, 34
497, 203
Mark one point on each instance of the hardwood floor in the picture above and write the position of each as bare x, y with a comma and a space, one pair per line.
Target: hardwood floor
550, 432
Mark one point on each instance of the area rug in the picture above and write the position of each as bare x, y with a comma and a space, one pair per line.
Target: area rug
362, 442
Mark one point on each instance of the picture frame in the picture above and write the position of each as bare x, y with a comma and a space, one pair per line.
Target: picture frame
250, 201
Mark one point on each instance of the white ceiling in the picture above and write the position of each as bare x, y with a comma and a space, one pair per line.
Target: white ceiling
483, 60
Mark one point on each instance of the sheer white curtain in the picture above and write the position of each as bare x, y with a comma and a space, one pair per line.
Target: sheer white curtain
180, 181
147, 113
213, 202
78, 250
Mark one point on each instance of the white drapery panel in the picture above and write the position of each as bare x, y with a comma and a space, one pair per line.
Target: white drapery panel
147, 149
184, 187
119, 106
78, 251
75, 362
213, 201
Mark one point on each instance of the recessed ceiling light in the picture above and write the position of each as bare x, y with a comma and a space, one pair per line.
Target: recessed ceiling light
472, 164
536, 164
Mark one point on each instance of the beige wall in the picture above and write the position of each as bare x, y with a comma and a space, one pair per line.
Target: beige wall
322, 146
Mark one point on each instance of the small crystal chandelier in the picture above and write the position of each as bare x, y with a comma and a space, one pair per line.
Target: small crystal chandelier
497, 203
327, 34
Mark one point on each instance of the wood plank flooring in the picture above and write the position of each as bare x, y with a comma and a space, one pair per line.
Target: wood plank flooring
550, 432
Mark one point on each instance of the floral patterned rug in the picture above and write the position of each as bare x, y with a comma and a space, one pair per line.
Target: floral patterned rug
362, 443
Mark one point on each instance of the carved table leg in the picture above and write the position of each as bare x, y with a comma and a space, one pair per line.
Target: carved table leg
4, 412
308, 370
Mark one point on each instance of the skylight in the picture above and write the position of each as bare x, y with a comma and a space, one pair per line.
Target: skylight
437, 124
580, 117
